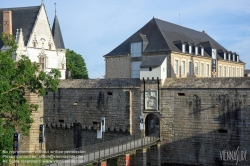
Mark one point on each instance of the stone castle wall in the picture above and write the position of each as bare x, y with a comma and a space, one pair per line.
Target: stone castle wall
74, 113
202, 117
198, 118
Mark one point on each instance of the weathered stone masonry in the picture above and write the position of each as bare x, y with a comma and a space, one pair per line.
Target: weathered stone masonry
202, 117
198, 117
74, 112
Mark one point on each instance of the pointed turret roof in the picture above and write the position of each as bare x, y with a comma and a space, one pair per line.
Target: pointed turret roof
57, 34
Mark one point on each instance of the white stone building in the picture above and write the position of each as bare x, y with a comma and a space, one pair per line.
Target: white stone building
34, 36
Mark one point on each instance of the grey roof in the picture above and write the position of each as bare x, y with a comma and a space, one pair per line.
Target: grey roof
101, 83
203, 83
22, 17
153, 61
246, 71
161, 36
57, 34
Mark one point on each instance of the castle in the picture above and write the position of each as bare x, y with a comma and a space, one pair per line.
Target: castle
157, 82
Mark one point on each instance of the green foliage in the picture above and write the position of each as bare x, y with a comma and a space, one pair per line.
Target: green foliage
15, 79
76, 65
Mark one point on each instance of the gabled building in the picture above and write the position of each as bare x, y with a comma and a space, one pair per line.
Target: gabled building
34, 36
187, 52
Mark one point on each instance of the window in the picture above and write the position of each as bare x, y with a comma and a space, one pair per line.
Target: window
196, 50
196, 68
150, 69
41, 61
202, 51
219, 72
233, 72
229, 73
225, 71
176, 66
190, 50
202, 69
136, 49
237, 70
183, 48
240, 72
183, 67
207, 70
190, 68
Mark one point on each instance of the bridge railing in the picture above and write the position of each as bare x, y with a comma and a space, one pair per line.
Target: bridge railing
123, 147
109, 149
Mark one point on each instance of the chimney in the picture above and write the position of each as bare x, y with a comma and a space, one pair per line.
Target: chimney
204, 32
7, 22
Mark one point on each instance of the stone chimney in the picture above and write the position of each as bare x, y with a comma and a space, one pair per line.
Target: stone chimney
7, 22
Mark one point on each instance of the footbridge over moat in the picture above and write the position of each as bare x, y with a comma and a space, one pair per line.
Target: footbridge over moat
110, 149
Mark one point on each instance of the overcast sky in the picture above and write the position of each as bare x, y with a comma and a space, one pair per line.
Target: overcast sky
93, 28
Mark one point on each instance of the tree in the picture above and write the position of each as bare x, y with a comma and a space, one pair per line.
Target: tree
76, 65
15, 79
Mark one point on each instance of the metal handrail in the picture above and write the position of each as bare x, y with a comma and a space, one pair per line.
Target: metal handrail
99, 153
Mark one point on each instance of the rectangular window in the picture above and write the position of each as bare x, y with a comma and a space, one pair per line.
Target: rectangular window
225, 71
190, 68
229, 71
208, 71
202, 69
233, 72
183, 48
220, 72
240, 72
150, 69
196, 68
176, 66
237, 70
136, 49
41, 61
183, 67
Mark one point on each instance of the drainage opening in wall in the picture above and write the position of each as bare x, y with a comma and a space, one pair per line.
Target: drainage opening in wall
181, 94
110, 93
222, 131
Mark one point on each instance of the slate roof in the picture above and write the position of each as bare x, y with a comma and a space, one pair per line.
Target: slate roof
153, 61
101, 83
57, 34
246, 71
22, 17
204, 83
161, 36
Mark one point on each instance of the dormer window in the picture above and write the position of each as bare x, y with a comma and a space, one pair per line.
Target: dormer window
190, 49
237, 58
214, 54
229, 56
136, 49
183, 48
196, 50
225, 56
233, 57
202, 51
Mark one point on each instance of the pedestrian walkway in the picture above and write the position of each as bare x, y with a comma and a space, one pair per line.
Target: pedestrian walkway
108, 152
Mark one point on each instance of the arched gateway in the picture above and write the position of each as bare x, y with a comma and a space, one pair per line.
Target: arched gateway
152, 124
